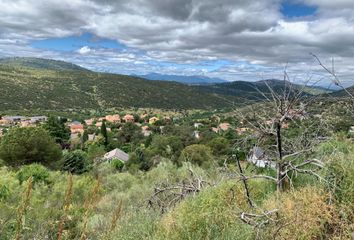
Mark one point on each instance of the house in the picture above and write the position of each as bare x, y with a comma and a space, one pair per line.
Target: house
153, 120
5, 122
98, 124
116, 154
259, 158
224, 126
27, 123
198, 125
128, 118
242, 130
89, 122
196, 134
91, 137
76, 127
14, 119
214, 129
351, 129
145, 131
113, 118
38, 119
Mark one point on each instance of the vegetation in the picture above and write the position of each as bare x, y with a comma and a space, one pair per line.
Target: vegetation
22, 146
278, 169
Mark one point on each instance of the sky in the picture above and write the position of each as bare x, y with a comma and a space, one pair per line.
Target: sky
230, 39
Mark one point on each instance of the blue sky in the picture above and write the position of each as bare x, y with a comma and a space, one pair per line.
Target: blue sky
234, 40
292, 9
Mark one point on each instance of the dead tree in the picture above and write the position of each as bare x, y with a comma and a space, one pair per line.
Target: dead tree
283, 105
165, 196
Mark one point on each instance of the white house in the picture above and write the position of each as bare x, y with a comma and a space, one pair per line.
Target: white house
116, 154
259, 158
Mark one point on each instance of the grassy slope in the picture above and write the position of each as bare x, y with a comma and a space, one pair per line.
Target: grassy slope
31, 88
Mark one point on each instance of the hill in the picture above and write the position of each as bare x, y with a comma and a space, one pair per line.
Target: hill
191, 80
40, 88
40, 63
255, 90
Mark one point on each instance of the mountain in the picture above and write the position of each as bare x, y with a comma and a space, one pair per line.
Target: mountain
29, 84
191, 80
40, 63
255, 90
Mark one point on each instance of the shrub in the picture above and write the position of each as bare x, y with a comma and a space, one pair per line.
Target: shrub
76, 162
210, 215
117, 164
36, 171
21, 146
303, 214
197, 154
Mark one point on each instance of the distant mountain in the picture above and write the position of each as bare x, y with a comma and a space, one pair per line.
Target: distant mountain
40, 63
191, 80
254, 90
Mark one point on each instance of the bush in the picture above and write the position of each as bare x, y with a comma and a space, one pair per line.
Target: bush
76, 162
197, 154
21, 146
117, 164
36, 171
303, 214
219, 146
210, 215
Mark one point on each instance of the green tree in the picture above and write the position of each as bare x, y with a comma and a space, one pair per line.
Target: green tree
130, 133
104, 133
219, 146
22, 146
76, 162
57, 129
36, 171
198, 154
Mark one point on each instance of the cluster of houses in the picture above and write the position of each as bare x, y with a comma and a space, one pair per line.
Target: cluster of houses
21, 121
77, 128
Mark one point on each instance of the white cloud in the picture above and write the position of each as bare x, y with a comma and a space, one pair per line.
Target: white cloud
84, 50
184, 32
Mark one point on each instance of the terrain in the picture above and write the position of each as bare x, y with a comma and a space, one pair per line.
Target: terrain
34, 83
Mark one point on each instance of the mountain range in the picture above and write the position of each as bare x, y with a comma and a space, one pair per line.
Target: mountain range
191, 80
34, 83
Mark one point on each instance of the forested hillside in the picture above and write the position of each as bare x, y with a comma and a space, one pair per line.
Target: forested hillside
24, 88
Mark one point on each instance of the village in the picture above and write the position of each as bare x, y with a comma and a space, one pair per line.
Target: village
89, 130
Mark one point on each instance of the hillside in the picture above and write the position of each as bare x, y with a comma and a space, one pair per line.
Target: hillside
40, 63
255, 90
34, 83
29, 88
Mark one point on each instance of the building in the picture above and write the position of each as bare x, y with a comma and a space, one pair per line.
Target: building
113, 118
153, 120
196, 134
116, 154
242, 130
351, 130
38, 119
76, 127
224, 126
146, 131
128, 118
14, 119
214, 129
89, 122
198, 125
259, 158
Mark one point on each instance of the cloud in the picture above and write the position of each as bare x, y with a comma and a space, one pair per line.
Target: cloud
84, 50
165, 35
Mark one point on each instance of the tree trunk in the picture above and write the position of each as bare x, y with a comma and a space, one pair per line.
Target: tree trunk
281, 179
